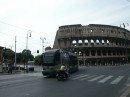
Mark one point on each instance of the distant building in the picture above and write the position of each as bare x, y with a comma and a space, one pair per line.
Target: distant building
1, 58
95, 44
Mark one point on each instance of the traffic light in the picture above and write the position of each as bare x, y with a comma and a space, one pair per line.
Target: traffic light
37, 51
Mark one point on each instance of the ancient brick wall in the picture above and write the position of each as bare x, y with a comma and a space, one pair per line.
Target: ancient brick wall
95, 44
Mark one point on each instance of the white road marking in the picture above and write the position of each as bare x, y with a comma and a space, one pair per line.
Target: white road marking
77, 75
117, 80
87, 77
128, 82
96, 78
100, 78
105, 79
80, 77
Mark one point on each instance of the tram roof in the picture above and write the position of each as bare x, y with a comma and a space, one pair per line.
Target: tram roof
52, 51
56, 50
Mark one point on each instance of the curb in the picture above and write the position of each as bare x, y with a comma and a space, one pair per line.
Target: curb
126, 93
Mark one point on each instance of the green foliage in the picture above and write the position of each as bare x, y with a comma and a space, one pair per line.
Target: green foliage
8, 55
19, 58
27, 56
38, 60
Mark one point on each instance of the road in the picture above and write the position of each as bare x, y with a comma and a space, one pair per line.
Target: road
99, 81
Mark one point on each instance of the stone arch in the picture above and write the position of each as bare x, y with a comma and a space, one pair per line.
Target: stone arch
74, 43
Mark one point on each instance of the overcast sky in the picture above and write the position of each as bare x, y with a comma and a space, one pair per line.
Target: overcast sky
43, 17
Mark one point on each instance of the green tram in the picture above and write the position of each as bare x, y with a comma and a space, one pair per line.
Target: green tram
53, 59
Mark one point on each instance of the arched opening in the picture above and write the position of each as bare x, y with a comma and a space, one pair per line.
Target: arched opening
80, 42
103, 42
74, 43
97, 42
107, 42
93, 52
92, 42
87, 53
80, 53
99, 53
86, 42
104, 53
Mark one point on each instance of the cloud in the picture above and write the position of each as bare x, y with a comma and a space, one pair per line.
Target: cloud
44, 17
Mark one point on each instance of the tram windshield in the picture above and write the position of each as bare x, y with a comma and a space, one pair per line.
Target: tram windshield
48, 58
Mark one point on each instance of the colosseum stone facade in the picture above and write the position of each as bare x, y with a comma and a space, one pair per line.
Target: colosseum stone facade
95, 44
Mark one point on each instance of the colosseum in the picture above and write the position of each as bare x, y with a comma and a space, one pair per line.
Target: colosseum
95, 44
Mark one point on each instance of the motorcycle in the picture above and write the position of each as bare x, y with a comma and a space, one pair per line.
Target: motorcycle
62, 75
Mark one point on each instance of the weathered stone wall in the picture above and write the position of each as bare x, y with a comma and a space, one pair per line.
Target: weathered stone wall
95, 44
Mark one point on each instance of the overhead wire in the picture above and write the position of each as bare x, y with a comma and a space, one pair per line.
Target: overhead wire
19, 27
38, 34
34, 40
13, 25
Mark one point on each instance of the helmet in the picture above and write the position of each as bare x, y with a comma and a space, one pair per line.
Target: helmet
62, 67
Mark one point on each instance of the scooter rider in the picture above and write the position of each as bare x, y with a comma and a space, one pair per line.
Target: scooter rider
63, 69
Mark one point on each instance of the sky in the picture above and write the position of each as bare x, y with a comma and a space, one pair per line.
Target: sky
42, 18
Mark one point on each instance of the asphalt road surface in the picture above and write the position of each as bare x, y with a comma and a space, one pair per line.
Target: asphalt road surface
99, 81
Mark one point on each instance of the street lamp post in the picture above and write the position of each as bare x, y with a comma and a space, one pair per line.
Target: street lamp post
28, 32
126, 44
42, 38
125, 25
15, 55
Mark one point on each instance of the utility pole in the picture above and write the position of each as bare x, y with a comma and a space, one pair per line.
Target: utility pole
15, 55
42, 38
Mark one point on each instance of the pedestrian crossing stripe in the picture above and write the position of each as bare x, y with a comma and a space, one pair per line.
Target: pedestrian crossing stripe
117, 80
128, 82
80, 77
98, 78
76, 75
105, 79
88, 77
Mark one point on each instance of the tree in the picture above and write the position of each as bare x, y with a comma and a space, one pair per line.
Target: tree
8, 55
27, 56
19, 57
38, 60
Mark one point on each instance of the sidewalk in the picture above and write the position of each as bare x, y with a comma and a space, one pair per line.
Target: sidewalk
37, 69
13, 72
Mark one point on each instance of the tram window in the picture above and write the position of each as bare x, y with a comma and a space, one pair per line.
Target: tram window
57, 58
48, 59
